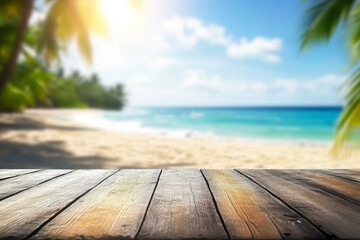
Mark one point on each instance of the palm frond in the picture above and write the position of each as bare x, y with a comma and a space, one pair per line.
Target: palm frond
354, 34
48, 43
323, 18
348, 126
67, 20
97, 22
82, 32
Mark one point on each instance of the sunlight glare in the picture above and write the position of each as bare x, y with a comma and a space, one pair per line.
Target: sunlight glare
119, 14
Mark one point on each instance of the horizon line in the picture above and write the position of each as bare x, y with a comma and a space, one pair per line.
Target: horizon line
238, 106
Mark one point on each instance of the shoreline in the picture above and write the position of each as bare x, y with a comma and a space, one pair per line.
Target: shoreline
42, 139
73, 114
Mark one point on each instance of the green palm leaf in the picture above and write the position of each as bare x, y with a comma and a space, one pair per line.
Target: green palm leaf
323, 18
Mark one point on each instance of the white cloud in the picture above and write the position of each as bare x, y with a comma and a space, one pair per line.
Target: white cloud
259, 48
198, 87
141, 44
323, 85
159, 63
286, 86
199, 80
189, 31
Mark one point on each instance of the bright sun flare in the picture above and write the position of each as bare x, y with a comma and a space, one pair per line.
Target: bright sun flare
119, 13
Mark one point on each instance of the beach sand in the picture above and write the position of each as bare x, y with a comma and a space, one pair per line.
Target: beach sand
38, 139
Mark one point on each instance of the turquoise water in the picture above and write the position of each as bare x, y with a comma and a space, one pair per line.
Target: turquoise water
282, 123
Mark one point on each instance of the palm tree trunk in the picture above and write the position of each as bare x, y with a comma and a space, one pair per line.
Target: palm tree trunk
9, 67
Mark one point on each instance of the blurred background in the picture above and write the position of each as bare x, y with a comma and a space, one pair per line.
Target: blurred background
194, 84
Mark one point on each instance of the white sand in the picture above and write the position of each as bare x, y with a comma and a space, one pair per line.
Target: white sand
35, 139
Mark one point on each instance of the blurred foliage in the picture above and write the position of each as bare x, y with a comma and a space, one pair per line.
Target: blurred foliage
80, 91
323, 18
35, 83
69, 19
92, 92
64, 21
8, 27
35, 86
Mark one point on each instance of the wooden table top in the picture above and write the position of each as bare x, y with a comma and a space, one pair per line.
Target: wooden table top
179, 204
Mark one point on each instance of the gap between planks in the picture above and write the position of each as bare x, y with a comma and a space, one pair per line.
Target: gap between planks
148, 206
83, 195
154, 190
216, 205
313, 179
34, 185
146, 211
285, 203
67, 206
182, 208
250, 212
333, 215
21, 173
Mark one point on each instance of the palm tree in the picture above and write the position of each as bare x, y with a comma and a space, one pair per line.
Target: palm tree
10, 9
323, 19
65, 20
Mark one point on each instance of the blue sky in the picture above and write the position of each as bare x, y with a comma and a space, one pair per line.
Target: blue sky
243, 52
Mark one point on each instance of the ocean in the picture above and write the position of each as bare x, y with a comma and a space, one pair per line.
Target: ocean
302, 124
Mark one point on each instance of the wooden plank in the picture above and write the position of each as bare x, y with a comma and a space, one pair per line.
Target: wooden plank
182, 208
12, 186
353, 175
10, 173
250, 212
332, 215
114, 209
25, 212
341, 187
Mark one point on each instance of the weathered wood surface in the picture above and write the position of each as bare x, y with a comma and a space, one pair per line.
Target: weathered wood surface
10, 173
334, 216
341, 187
115, 209
25, 212
179, 204
250, 212
353, 175
11, 186
182, 207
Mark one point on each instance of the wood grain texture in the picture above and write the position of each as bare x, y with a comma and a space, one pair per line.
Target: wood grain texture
114, 209
249, 212
182, 208
334, 216
11, 186
10, 173
28, 210
341, 187
353, 175
130, 204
